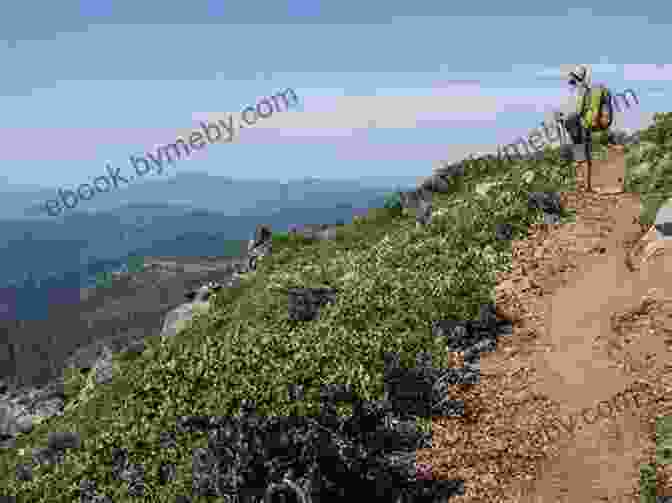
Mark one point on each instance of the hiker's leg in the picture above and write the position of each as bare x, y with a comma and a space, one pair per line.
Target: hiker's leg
581, 136
574, 128
589, 143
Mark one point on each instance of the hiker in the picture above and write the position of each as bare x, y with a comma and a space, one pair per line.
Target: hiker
593, 116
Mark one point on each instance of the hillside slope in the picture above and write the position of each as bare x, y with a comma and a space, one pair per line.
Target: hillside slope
394, 283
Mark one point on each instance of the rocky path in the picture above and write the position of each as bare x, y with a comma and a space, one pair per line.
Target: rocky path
565, 408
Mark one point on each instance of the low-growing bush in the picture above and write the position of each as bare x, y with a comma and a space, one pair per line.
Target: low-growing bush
281, 237
393, 204
647, 484
660, 132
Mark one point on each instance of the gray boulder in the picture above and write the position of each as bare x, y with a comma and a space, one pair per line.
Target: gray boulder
450, 170
178, 318
633, 138
435, 183
8, 422
663, 222
22, 409
259, 246
203, 293
321, 232
423, 214
104, 368
199, 302
412, 199
617, 137
262, 235
419, 199
551, 218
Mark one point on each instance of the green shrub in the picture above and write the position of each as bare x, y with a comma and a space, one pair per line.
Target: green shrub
281, 237
103, 279
661, 130
647, 484
664, 440
393, 203
135, 264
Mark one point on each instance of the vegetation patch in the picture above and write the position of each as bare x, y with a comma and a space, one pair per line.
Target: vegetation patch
649, 166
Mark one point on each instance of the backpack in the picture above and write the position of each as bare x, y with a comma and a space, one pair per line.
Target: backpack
598, 101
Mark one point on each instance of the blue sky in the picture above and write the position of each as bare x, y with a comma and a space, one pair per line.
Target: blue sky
386, 88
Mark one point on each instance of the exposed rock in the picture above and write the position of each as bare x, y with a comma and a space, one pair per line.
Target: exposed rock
200, 303
663, 222
322, 232
412, 199
20, 410
420, 200
424, 214
435, 183
178, 317
260, 246
616, 137
262, 235
450, 170
104, 368
551, 218
203, 293
8, 426
621, 137
135, 348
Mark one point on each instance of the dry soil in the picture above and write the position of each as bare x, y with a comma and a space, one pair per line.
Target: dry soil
566, 407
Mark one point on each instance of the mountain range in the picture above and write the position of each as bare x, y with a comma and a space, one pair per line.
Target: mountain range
190, 214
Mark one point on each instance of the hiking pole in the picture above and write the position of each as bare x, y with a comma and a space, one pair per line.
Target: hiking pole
562, 131
587, 137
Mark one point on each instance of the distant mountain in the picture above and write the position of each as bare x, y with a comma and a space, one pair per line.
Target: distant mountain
192, 214
200, 190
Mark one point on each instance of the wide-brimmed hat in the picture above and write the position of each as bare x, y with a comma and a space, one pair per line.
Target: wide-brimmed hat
578, 75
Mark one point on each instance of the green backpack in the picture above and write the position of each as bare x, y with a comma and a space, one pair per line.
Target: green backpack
595, 109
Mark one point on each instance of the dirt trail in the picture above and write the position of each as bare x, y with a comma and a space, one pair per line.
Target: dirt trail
587, 329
